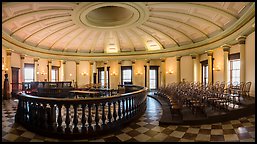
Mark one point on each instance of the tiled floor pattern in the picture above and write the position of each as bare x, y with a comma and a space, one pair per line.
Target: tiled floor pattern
145, 129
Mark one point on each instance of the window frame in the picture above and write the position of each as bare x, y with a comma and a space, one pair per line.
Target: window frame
99, 69
126, 68
26, 65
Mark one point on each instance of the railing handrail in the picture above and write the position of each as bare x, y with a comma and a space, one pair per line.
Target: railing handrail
84, 99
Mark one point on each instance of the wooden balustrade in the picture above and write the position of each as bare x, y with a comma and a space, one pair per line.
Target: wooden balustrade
79, 118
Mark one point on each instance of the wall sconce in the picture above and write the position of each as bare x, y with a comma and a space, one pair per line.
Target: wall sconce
84, 73
37, 72
113, 73
217, 68
70, 75
43, 73
139, 73
169, 72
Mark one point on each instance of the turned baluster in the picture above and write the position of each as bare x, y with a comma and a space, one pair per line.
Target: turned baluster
109, 114
123, 109
30, 112
67, 120
114, 111
59, 120
130, 107
90, 128
133, 106
127, 108
45, 116
52, 118
34, 115
75, 119
83, 119
25, 112
119, 110
103, 116
97, 127
39, 114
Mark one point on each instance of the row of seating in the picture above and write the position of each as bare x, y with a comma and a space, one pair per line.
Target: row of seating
197, 96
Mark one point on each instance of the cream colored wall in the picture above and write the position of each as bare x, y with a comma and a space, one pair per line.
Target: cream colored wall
139, 79
42, 67
186, 68
83, 67
114, 74
218, 62
70, 68
3, 62
171, 65
250, 61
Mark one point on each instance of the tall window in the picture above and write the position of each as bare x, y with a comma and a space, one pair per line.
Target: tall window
101, 76
153, 77
205, 72
28, 72
234, 65
126, 74
55, 74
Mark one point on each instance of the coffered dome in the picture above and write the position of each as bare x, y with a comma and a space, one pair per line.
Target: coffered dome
102, 29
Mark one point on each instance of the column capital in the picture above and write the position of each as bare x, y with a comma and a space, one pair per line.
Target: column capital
22, 56
77, 62
163, 60
8, 52
193, 56
119, 62
178, 58
210, 52
148, 61
226, 47
133, 62
36, 59
64, 62
49, 61
105, 63
91, 63
241, 39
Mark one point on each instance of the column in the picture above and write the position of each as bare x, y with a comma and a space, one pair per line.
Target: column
147, 74
105, 74
226, 51
178, 68
95, 72
22, 56
49, 70
63, 70
241, 43
119, 71
163, 73
8, 68
91, 73
133, 72
77, 73
195, 68
210, 54
36, 72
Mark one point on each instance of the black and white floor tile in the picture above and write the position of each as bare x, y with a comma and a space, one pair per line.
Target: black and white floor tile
145, 129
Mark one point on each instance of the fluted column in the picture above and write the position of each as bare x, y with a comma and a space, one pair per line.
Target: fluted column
36, 72
22, 56
163, 73
105, 74
133, 72
210, 54
91, 73
241, 42
195, 68
119, 71
95, 71
226, 52
77, 73
63, 70
178, 69
8, 67
148, 74
49, 70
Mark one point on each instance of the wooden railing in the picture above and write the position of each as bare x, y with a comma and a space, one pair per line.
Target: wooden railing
79, 118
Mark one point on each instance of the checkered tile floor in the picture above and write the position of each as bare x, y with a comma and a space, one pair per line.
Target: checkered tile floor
145, 129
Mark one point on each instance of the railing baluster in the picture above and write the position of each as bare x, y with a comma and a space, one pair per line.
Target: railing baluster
90, 128
114, 111
75, 119
123, 109
127, 109
59, 128
97, 127
109, 114
103, 116
30, 112
83, 120
45, 116
119, 110
67, 120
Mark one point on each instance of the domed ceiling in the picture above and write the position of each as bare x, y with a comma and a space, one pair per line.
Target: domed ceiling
117, 28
